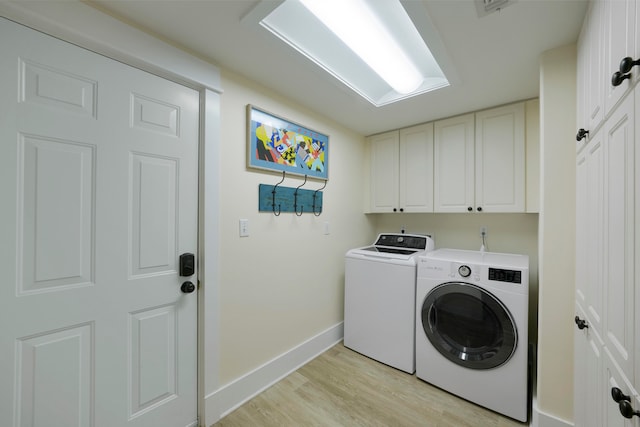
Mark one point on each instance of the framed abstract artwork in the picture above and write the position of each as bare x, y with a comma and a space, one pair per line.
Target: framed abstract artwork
277, 144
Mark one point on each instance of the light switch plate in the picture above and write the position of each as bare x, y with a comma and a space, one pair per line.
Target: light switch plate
244, 228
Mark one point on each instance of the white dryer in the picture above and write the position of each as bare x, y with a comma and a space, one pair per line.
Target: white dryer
471, 327
380, 298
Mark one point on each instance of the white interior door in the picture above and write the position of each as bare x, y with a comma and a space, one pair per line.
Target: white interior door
98, 180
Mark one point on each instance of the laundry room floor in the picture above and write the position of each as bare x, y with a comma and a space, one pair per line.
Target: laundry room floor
343, 388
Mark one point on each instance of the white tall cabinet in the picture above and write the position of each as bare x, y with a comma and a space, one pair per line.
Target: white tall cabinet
607, 346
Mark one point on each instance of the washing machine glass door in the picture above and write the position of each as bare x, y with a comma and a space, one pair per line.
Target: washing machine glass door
468, 325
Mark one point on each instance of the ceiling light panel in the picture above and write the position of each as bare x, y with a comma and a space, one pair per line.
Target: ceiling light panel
365, 72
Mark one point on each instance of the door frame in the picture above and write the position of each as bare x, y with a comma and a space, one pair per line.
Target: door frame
84, 26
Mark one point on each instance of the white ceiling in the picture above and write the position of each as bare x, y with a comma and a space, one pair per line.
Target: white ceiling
495, 57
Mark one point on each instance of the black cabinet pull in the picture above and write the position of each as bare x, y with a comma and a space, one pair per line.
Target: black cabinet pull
479, 208
627, 64
618, 396
469, 208
581, 323
582, 133
618, 78
626, 410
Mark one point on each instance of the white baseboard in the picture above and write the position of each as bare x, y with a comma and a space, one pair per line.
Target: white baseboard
229, 397
542, 419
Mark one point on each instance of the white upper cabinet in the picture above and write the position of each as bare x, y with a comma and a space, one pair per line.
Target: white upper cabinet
384, 177
454, 176
402, 170
416, 168
480, 161
469, 163
500, 161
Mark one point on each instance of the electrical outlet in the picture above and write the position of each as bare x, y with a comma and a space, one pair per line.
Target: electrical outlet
244, 228
483, 231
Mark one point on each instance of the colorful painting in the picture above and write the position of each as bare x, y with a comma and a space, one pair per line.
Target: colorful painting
280, 145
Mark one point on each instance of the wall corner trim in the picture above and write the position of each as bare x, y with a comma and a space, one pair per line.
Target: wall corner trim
231, 396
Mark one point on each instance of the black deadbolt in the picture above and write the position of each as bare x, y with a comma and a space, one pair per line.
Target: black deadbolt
187, 264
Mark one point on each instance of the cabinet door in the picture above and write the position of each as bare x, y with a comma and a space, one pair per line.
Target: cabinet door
596, 79
588, 380
619, 235
416, 168
582, 74
619, 32
499, 155
384, 172
454, 174
589, 230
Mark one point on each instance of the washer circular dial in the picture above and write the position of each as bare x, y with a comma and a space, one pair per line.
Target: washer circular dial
464, 270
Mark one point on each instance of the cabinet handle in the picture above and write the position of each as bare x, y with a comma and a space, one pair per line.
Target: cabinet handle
395, 210
581, 325
626, 410
627, 64
582, 133
401, 209
618, 396
469, 208
618, 78
479, 208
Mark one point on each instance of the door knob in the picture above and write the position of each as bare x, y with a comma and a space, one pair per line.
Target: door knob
187, 287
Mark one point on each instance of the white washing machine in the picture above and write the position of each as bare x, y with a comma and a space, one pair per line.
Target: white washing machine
471, 327
380, 298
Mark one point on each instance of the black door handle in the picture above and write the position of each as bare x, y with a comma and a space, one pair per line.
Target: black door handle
187, 287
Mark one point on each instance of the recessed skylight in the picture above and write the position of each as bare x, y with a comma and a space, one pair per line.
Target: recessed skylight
371, 46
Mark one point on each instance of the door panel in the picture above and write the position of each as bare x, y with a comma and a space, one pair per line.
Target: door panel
618, 236
98, 166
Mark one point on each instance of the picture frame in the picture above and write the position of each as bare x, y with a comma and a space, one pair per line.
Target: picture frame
277, 144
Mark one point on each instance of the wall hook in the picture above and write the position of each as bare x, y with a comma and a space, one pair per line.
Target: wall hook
295, 198
314, 200
273, 196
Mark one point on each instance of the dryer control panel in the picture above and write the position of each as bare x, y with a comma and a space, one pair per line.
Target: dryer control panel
501, 275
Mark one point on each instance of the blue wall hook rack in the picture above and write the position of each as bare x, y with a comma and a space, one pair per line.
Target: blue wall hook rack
277, 199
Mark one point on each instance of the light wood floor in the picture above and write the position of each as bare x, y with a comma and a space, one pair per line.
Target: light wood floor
343, 388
